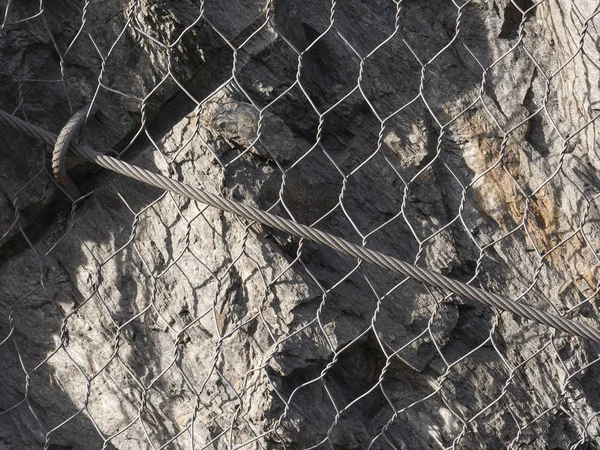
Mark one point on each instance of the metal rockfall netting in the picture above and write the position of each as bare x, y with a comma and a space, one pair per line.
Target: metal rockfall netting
458, 137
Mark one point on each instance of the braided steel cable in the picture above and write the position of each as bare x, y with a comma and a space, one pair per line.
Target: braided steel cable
312, 234
59, 155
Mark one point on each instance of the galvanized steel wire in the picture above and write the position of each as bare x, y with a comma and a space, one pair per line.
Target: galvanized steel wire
447, 136
303, 231
61, 147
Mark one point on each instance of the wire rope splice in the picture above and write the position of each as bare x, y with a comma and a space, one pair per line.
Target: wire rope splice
63, 141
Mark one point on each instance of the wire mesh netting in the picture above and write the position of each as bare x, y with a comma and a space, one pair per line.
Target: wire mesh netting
458, 136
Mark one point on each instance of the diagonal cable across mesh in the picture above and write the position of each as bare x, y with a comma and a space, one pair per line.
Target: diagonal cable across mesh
315, 235
381, 95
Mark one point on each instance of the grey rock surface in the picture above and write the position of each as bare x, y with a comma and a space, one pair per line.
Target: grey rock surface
133, 318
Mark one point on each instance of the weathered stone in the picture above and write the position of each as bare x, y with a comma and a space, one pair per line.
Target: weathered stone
136, 312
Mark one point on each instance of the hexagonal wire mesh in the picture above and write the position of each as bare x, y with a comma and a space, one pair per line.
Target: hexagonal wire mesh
459, 136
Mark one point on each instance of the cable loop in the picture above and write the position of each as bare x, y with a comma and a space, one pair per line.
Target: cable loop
63, 141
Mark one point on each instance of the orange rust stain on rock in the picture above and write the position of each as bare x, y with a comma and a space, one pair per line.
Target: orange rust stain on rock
497, 194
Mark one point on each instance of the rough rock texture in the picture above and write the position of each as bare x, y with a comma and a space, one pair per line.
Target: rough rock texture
137, 319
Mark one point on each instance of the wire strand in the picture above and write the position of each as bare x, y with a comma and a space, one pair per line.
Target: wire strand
312, 234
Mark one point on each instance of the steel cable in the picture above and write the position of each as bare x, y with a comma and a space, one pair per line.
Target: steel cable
312, 234
59, 155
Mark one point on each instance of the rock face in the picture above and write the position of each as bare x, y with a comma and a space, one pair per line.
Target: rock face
458, 138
